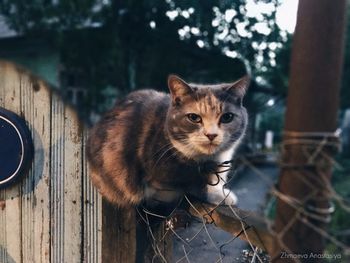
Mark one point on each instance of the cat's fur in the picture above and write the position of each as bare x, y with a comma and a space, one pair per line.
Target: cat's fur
147, 148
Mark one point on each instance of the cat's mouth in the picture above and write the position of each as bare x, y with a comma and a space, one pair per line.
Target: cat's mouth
209, 147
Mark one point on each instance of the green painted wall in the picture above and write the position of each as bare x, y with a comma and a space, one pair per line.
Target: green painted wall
35, 55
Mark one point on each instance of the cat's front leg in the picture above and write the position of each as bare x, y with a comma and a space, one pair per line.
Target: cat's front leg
215, 192
161, 197
219, 194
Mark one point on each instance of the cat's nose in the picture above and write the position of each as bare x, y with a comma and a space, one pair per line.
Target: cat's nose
211, 136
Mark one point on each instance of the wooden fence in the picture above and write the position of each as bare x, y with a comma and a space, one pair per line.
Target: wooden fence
54, 214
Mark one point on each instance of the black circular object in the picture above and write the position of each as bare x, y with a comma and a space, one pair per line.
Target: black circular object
16, 147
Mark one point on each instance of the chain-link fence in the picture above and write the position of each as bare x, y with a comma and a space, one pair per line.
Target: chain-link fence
314, 211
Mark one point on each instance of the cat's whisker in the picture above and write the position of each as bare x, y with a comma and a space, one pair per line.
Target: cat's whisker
186, 147
163, 154
170, 156
161, 148
184, 132
191, 151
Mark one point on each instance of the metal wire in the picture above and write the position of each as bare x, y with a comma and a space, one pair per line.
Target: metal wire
317, 158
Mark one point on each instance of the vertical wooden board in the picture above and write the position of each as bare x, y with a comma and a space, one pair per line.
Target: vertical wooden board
35, 187
10, 214
57, 178
27, 195
163, 245
92, 215
118, 234
154, 242
42, 128
2, 192
66, 183
72, 187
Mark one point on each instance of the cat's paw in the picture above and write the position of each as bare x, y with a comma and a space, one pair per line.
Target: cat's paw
224, 197
230, 197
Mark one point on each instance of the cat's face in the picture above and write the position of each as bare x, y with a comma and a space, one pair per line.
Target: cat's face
205, 120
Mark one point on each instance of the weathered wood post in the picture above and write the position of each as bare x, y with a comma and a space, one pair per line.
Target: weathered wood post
312, 106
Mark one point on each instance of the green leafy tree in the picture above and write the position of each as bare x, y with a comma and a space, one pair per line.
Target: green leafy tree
112, 41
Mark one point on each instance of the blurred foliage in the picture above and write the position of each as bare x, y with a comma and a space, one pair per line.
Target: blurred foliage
340, 224
108, 40
129, 44
271, 120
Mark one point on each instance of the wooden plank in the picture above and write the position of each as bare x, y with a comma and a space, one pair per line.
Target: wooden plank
72, 186
66, 184
92, 210
42, 134
35, 186
154, 242
118, 234
163, 245
3, 253
57, 182
10, 197
27, 196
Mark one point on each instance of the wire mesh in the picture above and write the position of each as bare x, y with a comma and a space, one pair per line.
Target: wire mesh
315, 148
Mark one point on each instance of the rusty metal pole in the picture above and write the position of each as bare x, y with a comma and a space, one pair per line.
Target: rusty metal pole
312, 106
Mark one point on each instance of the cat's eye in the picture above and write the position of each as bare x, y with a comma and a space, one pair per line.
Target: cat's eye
194, 117
227, 117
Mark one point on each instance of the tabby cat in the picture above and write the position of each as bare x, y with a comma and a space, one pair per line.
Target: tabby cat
154, 147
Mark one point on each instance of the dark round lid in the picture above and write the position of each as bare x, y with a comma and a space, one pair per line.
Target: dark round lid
16, 147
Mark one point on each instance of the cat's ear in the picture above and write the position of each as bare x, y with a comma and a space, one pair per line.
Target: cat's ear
239, 88
178, 87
